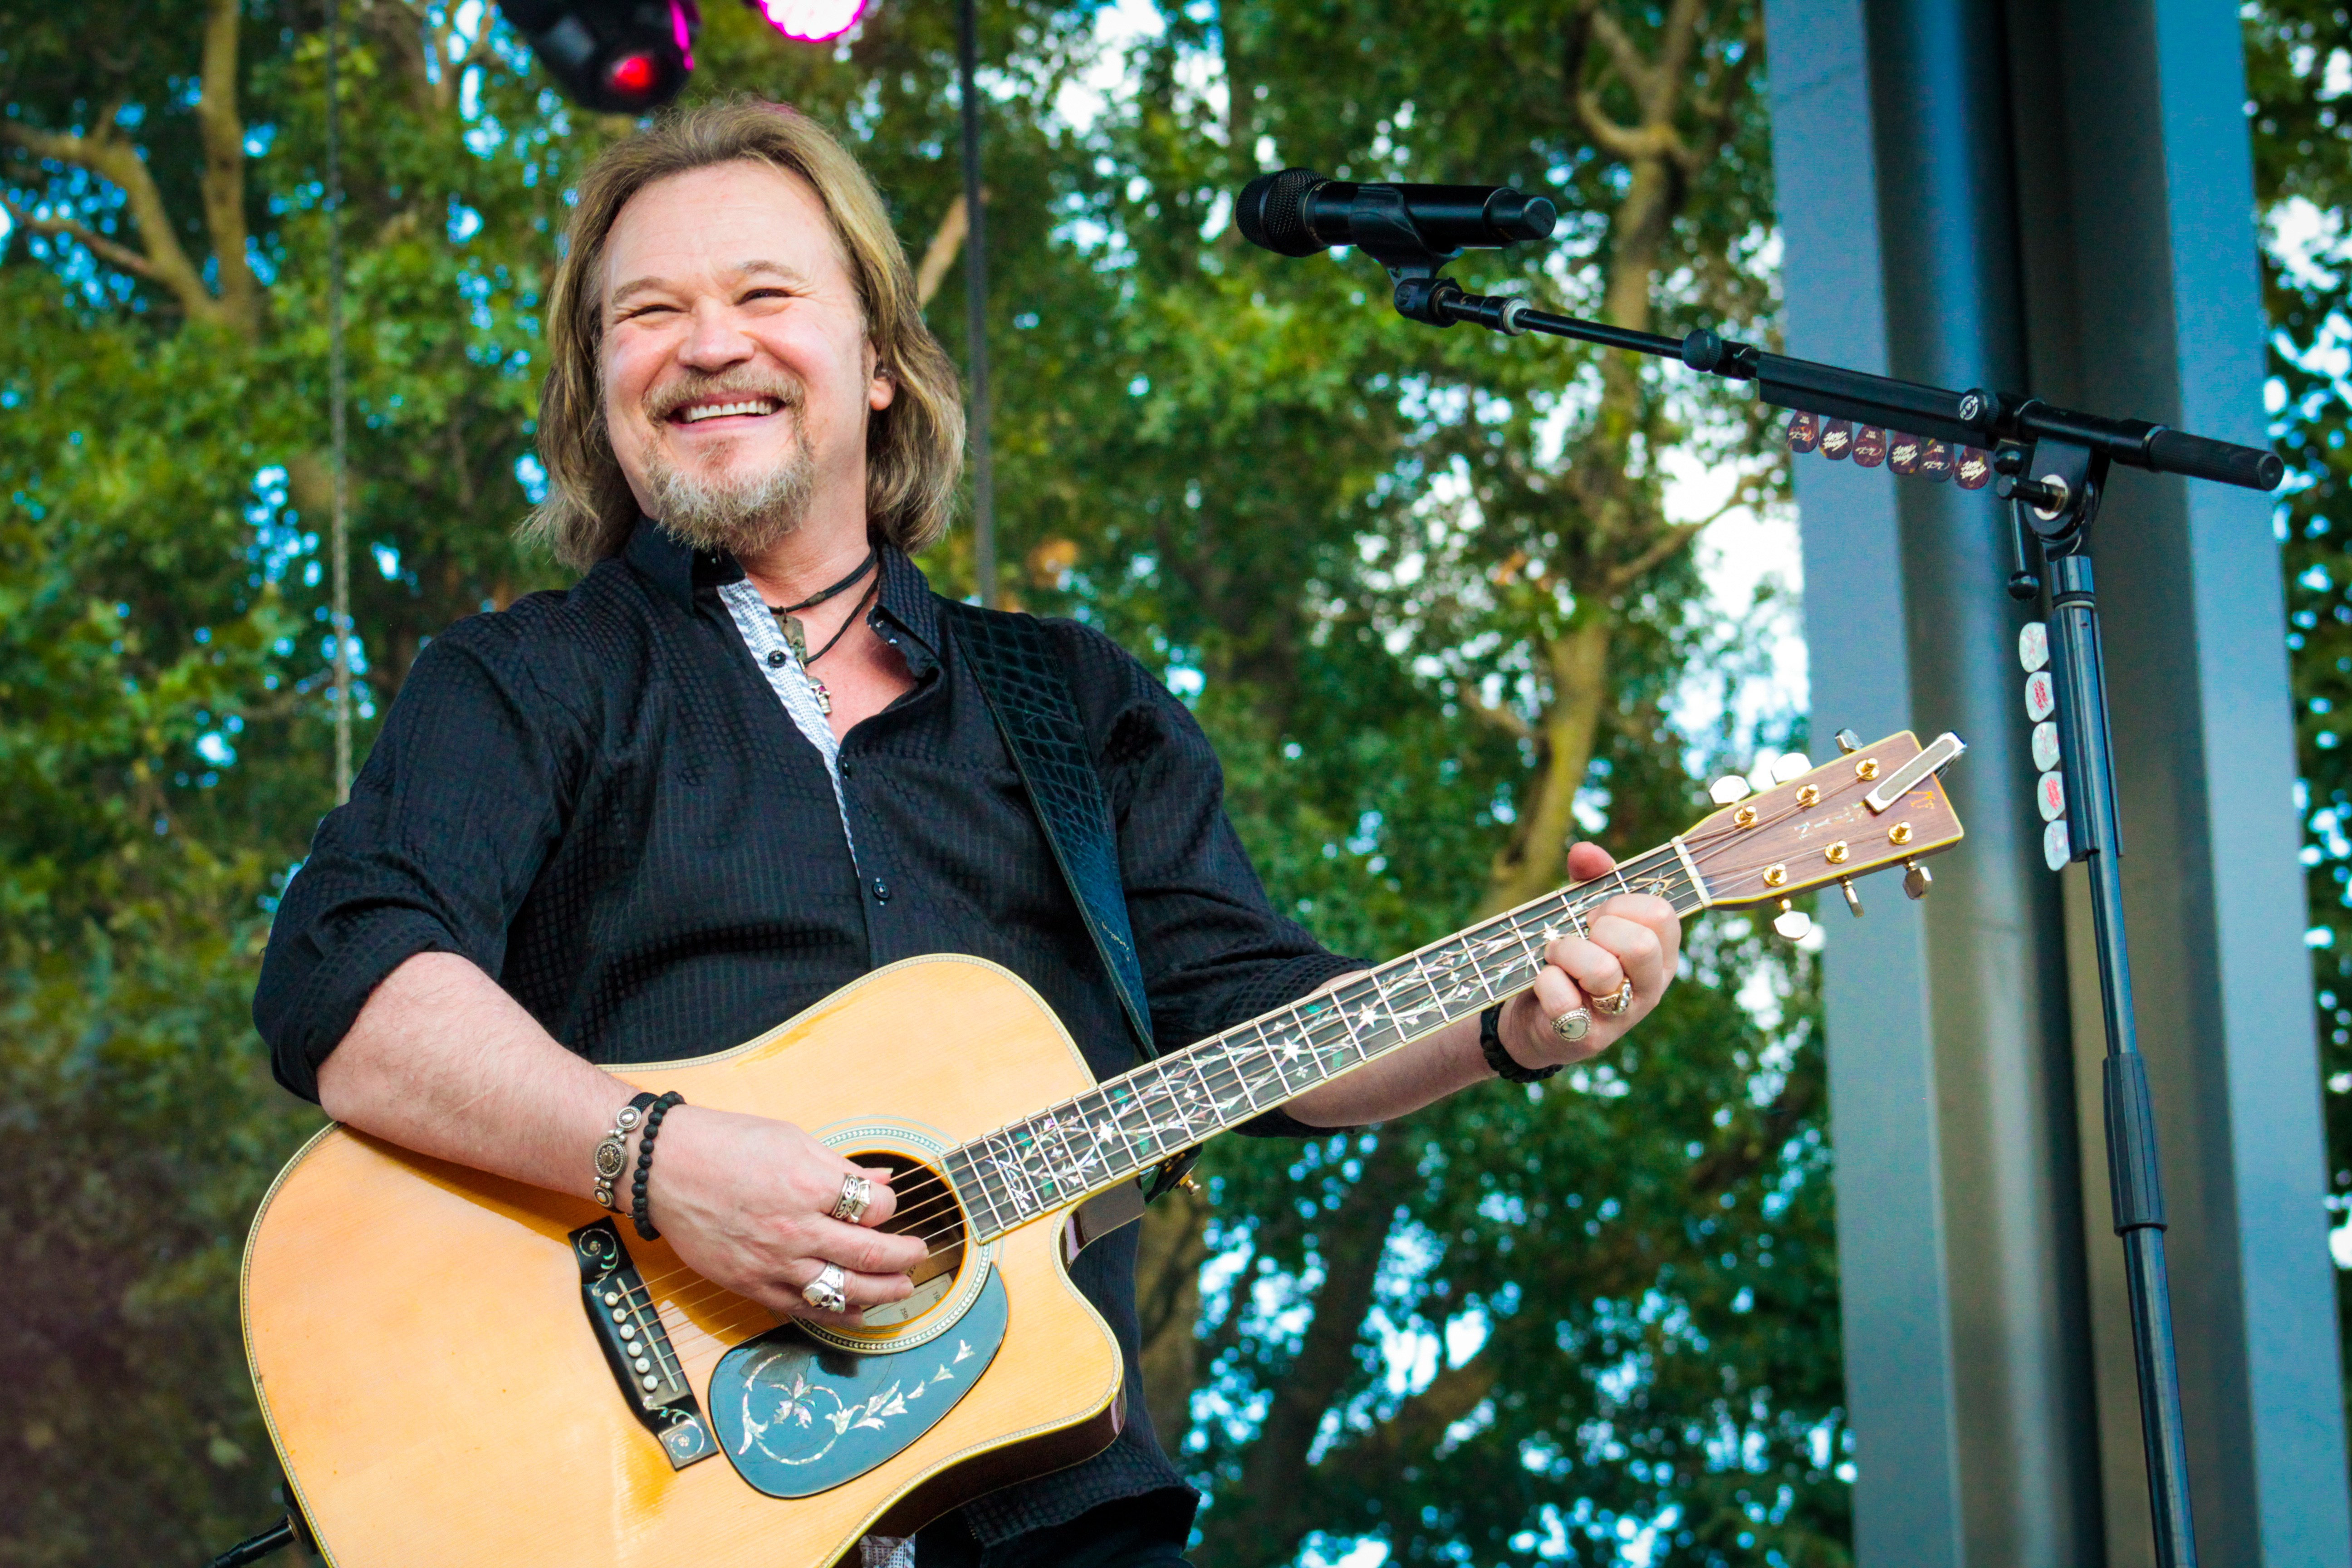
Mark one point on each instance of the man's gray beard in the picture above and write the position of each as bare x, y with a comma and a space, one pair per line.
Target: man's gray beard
742, 515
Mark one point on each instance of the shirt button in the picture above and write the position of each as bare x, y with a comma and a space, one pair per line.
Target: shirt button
847, 767
881, 891
775, 659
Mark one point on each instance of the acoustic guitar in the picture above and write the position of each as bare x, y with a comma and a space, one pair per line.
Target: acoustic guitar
458, 1369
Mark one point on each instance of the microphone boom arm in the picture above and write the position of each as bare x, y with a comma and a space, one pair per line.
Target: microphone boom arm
1975, 417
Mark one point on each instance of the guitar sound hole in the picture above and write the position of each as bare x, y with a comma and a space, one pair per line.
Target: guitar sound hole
926, 1208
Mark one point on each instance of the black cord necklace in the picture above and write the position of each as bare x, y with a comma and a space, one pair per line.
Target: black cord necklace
794, 635
847, 621
822, 594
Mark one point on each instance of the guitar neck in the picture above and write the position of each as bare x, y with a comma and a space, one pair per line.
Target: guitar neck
1119, 1128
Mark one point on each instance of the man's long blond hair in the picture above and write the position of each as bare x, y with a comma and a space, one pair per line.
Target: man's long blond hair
914, 448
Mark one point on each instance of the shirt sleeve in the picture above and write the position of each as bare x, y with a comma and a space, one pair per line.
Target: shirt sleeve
447, 826
1214, 952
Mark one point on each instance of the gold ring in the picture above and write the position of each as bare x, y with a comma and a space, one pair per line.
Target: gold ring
1573, 1025
1617, 1001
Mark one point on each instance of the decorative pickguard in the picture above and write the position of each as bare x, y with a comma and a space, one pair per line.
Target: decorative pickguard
796, 1418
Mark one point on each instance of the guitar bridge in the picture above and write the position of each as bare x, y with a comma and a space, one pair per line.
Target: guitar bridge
637, 1346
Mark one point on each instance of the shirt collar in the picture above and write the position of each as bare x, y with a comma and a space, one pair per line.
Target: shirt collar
679, 571
906, 598
674, 567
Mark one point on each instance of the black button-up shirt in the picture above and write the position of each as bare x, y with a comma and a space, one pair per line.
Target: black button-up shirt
596, 797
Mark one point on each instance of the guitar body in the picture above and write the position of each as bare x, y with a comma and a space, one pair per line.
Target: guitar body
438, 1393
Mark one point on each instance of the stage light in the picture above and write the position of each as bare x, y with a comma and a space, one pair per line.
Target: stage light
810, 21
632, 75
620, 57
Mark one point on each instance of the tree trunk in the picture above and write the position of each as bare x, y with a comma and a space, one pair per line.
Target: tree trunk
1273, 1507
1174, 1246
1537, 861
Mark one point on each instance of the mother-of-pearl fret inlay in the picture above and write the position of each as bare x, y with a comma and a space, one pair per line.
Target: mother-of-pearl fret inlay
1124, 1127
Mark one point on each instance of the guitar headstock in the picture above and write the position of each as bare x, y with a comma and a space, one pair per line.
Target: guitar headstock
1877, 805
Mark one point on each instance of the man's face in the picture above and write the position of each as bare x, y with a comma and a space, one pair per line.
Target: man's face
738, 378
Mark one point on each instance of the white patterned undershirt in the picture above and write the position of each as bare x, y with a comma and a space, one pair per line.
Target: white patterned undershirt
790, 680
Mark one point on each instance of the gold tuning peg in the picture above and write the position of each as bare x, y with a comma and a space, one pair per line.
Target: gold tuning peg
1793, 922
1917, 880
1848, 742
1727, 789
1853, 899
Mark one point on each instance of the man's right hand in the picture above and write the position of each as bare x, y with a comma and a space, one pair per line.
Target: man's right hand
442, 1061
748, 1204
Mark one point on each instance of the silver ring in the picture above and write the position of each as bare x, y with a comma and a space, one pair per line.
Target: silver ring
1617, 1001
856, 1193
1573, 1025
825, 1293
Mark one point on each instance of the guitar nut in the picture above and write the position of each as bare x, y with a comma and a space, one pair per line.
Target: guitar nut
1835, 853
1775, 875
1866, 768
1899, 834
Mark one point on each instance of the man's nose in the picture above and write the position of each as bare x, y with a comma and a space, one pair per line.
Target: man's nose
715, 339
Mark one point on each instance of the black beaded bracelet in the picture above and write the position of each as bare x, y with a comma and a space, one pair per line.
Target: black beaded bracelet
638, 1211
1490, 1045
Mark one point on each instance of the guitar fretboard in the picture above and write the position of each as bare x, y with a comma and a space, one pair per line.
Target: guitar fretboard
1117, 1129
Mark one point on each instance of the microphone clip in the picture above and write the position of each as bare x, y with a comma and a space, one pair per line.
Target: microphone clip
1381, 226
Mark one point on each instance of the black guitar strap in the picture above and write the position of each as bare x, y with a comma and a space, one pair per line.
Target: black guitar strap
1028, 691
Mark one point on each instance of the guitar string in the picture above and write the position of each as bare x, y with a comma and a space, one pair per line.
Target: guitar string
1218, 1064
1225, 1054
1365, 996
1222, 1055
1225, 1069
1413, 973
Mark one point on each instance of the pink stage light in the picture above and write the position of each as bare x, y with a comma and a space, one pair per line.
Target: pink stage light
810, 21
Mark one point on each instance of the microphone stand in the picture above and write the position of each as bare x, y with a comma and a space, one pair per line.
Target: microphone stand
2053, 466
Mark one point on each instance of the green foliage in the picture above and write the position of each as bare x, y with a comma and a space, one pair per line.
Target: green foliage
1515, 1324
2297, 54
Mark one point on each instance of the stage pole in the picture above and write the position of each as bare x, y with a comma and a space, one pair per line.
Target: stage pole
340, 549
975, 280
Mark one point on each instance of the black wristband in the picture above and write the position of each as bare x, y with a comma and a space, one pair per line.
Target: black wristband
1490, 1045
638, 1208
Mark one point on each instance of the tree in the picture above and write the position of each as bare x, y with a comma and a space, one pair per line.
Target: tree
1426, 592
2296, 53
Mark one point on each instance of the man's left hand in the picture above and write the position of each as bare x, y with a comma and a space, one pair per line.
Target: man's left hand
1634, 936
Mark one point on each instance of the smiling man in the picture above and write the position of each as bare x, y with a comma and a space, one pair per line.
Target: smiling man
743, 761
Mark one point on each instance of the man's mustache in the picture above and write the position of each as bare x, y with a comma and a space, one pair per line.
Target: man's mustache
671, 396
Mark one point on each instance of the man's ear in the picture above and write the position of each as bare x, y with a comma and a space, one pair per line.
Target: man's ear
881, 385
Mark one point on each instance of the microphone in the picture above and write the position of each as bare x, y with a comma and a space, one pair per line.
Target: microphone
1298, 212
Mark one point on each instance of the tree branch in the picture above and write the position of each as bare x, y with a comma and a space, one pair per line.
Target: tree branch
1639, 75
1669, 543
107, 250
222, 132
941, 254
1719, 110
116, 161
1499, 715
1419, 1424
